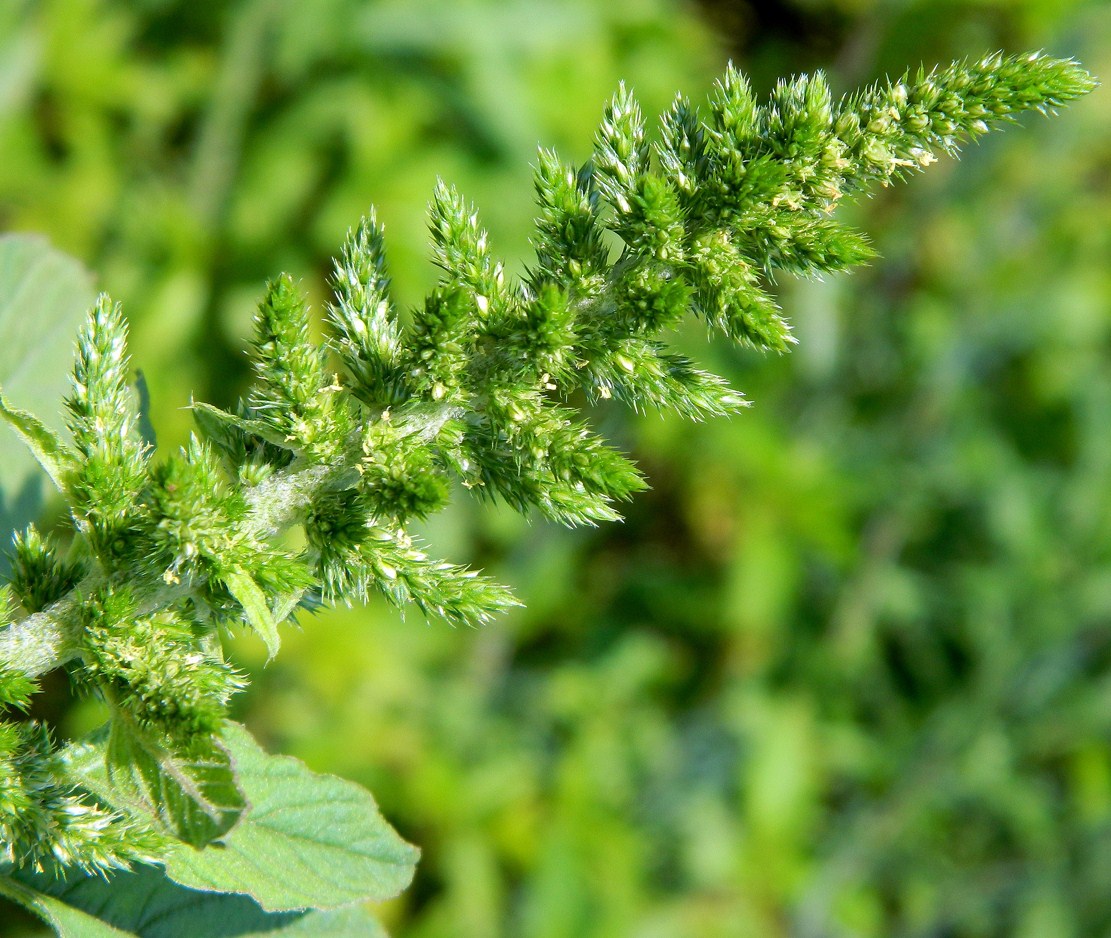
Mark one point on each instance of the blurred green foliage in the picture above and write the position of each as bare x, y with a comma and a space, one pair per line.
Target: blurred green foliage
846, 669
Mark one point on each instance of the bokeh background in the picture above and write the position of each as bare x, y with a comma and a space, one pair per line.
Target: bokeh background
846, 669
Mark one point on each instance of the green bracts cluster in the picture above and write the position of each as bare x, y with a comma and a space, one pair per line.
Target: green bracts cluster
352, 439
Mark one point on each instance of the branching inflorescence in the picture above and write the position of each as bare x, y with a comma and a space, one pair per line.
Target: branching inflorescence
354, 439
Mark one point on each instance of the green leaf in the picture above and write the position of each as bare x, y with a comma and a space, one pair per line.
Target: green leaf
67, 921
253, 600
191, 796
212, 419
45, 445
144, 902
146, 428
308, 840
44, 296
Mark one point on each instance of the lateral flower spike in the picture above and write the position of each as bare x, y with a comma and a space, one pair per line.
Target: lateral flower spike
363, 317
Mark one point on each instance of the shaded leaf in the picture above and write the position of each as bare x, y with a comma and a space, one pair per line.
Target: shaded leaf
67, 920
144, 902
192, 796
146, 428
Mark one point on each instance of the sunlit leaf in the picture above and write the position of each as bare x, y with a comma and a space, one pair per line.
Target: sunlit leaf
308, 839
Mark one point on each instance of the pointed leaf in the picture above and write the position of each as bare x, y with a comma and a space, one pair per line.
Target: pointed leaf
191, 796
146, 428
45, 445
308, 840
253, 600
209, 417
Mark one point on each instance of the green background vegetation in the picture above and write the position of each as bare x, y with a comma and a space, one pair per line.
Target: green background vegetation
846, 668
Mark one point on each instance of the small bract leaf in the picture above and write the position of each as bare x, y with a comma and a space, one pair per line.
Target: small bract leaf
211, 419
308, 840
253, 600
146, 428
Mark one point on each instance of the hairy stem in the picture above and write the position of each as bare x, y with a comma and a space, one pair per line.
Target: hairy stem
48, 639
